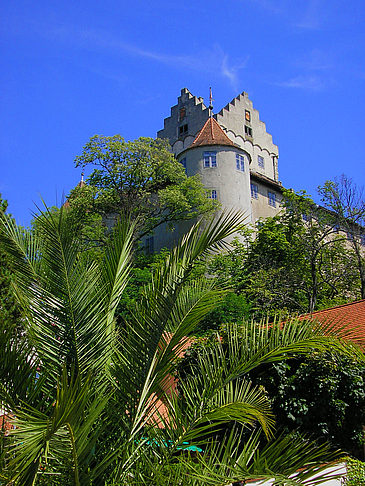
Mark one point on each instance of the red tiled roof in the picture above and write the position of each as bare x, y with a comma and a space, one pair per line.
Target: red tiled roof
66, 204
211, 134
349, 316
5, 423
169, 385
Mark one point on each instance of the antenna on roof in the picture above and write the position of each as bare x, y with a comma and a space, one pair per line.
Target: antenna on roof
210, 107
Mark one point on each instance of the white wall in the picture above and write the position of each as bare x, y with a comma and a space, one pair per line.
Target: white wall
338, 469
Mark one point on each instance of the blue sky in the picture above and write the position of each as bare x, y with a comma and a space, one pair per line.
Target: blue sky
71, 70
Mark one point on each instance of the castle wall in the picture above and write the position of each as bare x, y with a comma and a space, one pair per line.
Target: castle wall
262, 204
242, 124
233, 188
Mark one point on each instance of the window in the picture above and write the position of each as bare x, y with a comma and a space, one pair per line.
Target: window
210, 159
183, 129
254, 191
183, 162
212, 194
182, 113
248, 131
261, 162
272, 199
149, 245
247, 116
240, 162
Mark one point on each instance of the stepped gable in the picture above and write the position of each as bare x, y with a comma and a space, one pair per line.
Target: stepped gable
211, 134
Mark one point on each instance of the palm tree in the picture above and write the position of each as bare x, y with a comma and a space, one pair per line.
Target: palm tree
84, 391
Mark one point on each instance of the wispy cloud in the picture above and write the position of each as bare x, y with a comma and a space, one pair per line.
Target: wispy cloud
316, 60
311, 19
306, 82
315, 66
276, 7
210, 61
230, 71
307, 15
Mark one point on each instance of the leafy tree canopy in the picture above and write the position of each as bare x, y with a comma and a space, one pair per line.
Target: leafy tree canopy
346, 202
322, 395
297, 262
140, 178
9, 311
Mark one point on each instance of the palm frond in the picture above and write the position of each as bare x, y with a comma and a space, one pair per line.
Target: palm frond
39, 435
285, 460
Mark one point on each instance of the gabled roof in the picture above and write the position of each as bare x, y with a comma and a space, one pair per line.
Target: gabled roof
211, 134
351, 316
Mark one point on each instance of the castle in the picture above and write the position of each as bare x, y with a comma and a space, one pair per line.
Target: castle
231, 151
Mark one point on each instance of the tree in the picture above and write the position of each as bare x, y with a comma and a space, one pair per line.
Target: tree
346, 200
322, 395
297, 261
85, 392
140, 178
9, 311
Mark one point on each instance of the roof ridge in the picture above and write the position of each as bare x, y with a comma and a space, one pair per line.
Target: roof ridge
211, 134
336, 307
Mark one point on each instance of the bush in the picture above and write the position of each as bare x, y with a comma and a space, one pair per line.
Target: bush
355, 473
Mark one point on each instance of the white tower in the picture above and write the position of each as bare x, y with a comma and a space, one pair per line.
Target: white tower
231, 151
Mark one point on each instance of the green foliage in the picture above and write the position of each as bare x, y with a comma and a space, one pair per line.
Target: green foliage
140, 178
355, 473
234, 308
322, 395
9, 310
346, 202
86, 394
297, 262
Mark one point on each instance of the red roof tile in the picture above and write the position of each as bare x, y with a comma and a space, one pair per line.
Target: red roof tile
211, 134
349, 316
169, 385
